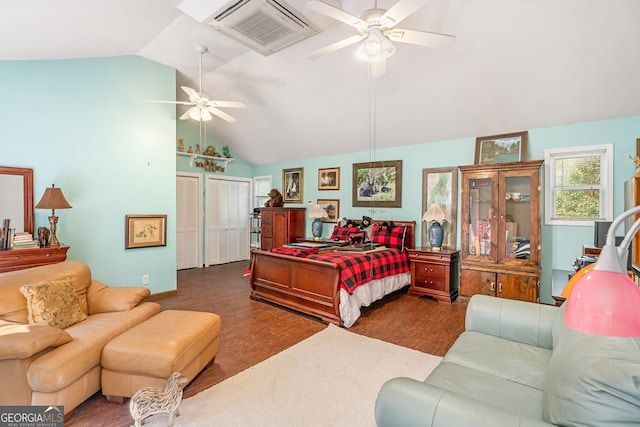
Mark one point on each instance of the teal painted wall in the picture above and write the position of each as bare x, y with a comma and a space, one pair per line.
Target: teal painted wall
88, 126
560, 244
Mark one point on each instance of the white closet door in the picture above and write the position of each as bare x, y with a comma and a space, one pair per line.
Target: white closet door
187, 222
227, 220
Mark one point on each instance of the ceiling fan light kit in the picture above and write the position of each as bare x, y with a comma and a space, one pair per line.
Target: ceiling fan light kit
376, 47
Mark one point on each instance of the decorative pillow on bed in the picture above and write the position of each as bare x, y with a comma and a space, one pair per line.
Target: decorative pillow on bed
53, 303
391, 238
342, 233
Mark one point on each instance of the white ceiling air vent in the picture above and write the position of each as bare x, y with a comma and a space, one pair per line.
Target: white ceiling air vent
264, 25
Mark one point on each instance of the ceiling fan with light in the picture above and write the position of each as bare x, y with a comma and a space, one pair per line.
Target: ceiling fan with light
201, 105
377, 28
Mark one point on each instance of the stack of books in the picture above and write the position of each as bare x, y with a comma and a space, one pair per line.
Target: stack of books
24, 240
6, 234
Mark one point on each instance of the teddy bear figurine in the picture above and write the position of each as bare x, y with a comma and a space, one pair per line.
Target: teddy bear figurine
275, 199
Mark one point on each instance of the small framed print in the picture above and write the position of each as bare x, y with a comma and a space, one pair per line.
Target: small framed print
292, 182
508, 147
144, 231
332, 207
329, 179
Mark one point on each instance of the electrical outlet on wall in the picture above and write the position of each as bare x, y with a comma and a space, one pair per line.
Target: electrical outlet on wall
145, 279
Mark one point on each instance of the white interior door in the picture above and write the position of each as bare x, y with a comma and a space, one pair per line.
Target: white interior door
227, 208
188, 220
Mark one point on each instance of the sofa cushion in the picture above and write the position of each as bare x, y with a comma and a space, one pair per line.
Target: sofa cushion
521, 363
53, 303
13, 305
592, 380
20, 341
64, 365
498, 392
104, 299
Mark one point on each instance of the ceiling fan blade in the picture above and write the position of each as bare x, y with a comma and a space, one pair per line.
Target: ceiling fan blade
402, 9
186, 116
227, 104
221, 114
335, 13
335, 46
193, 95
421, 38
172, 102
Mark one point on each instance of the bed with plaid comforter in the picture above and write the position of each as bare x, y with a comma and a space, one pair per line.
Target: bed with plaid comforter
329, 285
359, 268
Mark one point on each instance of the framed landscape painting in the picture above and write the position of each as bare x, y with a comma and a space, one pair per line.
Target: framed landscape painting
292, 182
508, 147
377, 184
440, 186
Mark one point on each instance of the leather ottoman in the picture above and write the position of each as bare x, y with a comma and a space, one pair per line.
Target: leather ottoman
146, 355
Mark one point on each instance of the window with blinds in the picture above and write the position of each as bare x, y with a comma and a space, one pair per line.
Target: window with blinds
579, 185
261, 188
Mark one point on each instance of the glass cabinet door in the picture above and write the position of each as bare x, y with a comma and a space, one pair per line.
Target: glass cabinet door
518, 217
480, 225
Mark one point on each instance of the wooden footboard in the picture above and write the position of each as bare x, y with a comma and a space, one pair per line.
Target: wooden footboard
311, 287
301, 284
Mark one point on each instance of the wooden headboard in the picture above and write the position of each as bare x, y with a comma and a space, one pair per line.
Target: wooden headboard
409, 238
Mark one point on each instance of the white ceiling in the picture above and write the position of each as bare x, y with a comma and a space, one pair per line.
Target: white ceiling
516, 65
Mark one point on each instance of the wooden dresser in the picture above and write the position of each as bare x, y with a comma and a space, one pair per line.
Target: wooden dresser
18, 259
279, 226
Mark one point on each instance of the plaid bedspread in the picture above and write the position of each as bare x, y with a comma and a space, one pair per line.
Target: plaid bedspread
299, 252
357, 269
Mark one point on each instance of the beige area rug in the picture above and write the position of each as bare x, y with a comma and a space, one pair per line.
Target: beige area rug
330, 379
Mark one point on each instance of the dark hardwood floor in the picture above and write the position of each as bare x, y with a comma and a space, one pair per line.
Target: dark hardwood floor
254, 331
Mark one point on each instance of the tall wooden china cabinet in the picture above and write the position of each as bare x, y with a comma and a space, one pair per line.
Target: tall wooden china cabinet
501, 230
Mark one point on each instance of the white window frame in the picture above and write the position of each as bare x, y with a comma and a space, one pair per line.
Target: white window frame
605, 152
256, 180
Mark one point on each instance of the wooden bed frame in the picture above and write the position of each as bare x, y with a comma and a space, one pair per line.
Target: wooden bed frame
304, 285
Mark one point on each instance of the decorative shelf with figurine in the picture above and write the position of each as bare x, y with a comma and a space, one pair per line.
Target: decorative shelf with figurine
211, 159
195, 156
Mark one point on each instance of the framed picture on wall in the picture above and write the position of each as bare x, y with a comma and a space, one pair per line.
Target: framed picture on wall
292, 183
508, 147
440, 186
377, 184
332, 207
329, 179
144, 231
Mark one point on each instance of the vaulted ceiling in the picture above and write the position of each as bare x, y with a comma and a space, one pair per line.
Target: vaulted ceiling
516, 65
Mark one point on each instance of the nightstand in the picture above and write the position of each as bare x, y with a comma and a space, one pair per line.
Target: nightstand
434, 273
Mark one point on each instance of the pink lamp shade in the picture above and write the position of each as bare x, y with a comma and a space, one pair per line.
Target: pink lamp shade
604, 303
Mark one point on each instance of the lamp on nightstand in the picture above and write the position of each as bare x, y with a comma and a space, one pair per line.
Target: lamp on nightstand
53, 199
316, 213
436, 216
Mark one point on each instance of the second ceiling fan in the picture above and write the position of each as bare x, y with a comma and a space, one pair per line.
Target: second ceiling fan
377, 28
201, 105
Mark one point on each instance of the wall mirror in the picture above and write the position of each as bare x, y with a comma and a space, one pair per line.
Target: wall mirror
16, 196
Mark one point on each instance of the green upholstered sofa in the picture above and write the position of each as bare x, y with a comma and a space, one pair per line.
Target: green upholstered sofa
517, 364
